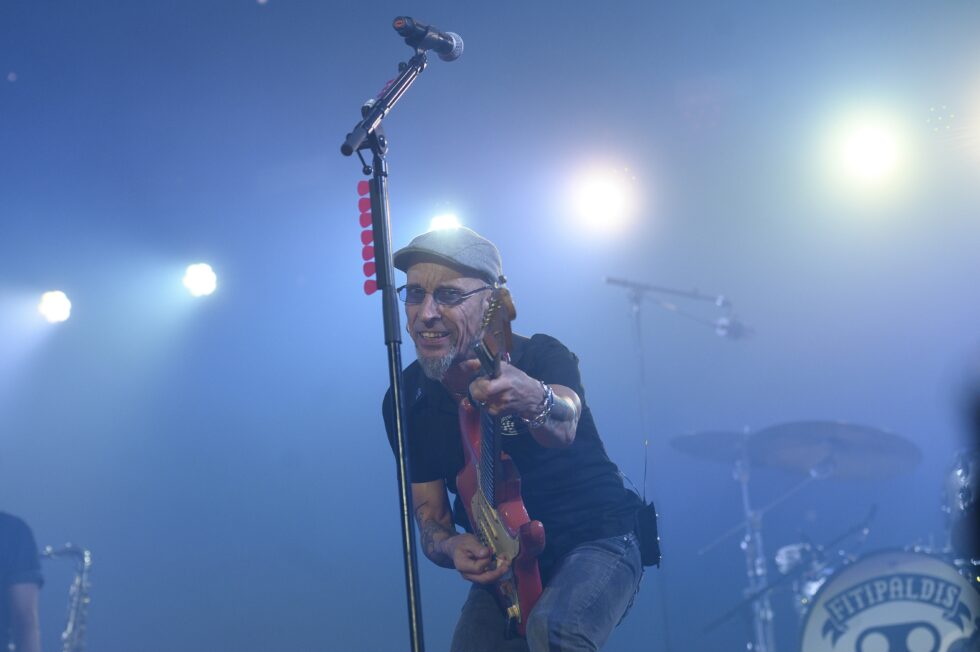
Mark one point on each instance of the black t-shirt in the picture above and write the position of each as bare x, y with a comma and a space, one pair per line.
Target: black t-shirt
19, 564
576, 492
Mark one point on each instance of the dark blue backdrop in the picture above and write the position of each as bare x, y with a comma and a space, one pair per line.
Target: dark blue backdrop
225, 459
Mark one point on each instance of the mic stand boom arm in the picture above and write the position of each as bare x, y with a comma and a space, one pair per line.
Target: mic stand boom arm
640, 288
367, 134
726, 326
386, 100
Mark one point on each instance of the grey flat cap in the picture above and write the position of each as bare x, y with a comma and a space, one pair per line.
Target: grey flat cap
462, 249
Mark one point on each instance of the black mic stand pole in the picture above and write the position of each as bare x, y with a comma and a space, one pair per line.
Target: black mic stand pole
367, 134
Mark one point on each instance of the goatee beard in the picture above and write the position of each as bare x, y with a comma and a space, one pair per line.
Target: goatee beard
436, 368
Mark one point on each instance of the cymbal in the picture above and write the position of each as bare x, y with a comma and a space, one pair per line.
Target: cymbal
833, 448
717, 445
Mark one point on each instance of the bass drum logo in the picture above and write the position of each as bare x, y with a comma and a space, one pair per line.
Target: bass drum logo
894, 602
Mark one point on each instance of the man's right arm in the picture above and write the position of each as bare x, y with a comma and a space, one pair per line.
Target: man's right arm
435, 520
443, 545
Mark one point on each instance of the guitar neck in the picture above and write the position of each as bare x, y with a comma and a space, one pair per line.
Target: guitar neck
490, 441
490, 350
489, 453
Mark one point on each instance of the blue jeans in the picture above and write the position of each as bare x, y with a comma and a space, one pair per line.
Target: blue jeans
588, 594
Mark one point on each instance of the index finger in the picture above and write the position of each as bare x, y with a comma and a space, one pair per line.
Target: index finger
489, 576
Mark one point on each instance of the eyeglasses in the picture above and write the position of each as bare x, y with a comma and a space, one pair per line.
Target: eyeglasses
415, 294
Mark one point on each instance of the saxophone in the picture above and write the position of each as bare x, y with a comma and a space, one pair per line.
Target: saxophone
73, 637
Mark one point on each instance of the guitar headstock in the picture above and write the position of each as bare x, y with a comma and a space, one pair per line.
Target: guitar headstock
495, 344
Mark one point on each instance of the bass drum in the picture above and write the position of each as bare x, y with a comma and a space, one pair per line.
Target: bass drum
894, 601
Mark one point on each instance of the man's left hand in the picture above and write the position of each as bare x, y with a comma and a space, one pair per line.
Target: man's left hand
512, 392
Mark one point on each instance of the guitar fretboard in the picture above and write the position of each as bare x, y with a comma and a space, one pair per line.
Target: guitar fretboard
488, 455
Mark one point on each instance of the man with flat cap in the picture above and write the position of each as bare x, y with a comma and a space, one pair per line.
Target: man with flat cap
591, 564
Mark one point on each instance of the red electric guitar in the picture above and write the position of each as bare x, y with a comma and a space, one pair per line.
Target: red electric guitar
490, 486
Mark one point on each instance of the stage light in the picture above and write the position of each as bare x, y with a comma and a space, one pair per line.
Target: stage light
200, 280
445, 221
603, 199
940, 119
55, 306
870, 150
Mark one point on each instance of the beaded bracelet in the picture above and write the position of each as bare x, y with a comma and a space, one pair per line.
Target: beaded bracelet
546, 405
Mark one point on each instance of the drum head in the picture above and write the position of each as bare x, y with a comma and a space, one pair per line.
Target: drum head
894, 602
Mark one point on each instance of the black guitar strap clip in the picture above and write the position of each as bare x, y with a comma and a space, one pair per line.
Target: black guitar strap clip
648, 536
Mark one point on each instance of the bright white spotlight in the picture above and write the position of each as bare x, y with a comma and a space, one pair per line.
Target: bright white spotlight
870, 150
446, 221
55, 306
604, 199
200, 280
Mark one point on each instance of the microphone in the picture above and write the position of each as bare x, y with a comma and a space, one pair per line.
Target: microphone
421, 36
732, 328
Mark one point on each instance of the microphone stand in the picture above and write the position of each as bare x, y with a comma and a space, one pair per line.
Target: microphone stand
639, 287
724, 327
637, 293
368, 134
636, 303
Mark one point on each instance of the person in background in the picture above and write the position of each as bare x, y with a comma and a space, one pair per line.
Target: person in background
20, 584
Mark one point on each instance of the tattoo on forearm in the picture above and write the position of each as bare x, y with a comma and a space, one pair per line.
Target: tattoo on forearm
431, 532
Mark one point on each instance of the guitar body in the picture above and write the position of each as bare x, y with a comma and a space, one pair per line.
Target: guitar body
506, 529
490, 486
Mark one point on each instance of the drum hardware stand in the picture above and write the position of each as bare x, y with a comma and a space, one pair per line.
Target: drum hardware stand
764, 638
757, 591
725, 327
862, 529
820, 472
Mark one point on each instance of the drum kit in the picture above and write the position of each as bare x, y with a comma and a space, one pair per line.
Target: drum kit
901, 600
